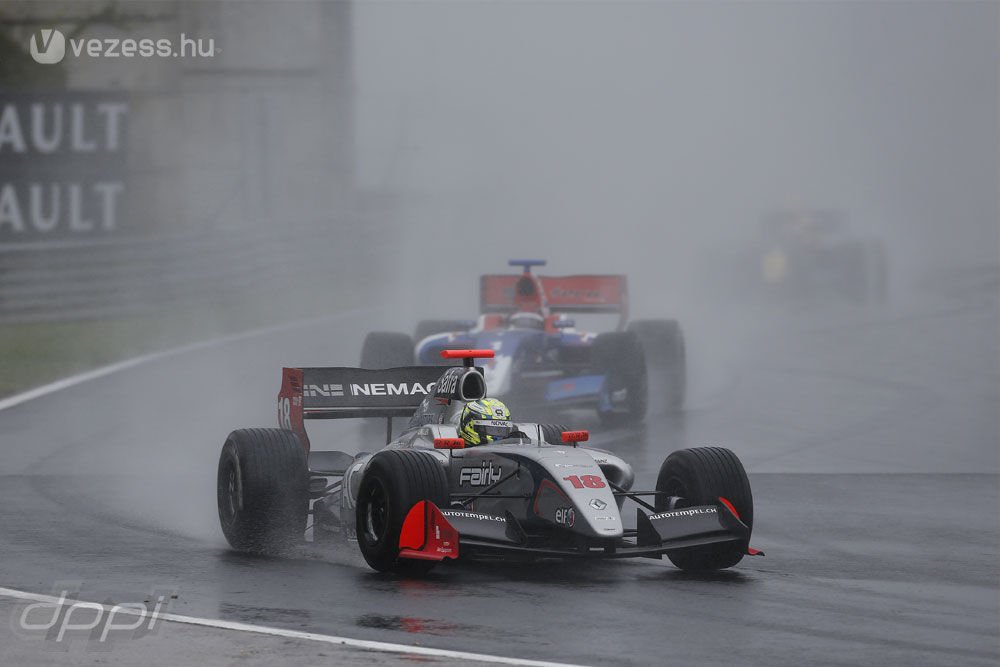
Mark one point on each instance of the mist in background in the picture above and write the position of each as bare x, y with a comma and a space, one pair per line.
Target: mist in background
651, 138
434, 140
646, 137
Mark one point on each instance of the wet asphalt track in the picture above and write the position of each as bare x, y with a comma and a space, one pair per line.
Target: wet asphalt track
871, 438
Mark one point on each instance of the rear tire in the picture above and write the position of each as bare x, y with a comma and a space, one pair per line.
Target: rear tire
262, 490
427, 328
383, 349
700, 476
666, 355
395, 480
619, 356
552, 433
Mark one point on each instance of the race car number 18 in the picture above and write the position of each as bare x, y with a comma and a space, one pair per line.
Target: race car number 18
585, 482
284, 413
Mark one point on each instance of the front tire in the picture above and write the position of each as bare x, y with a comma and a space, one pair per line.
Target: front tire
262, 490
395, 480
427, 328
699, 476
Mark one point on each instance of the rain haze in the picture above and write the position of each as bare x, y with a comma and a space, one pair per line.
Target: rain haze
810, 191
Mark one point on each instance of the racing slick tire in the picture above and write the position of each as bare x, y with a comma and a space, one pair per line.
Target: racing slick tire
663, 344
263, 490
427, 328
395, 480
384, 349
699, 476
552, 433
619, 355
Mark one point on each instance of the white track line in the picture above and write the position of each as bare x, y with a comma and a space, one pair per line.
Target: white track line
103, 371
384, 647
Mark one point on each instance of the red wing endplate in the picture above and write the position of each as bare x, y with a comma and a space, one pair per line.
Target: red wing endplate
732, 508
427, 535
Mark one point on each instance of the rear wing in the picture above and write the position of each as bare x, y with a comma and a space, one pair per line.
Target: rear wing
498, 293
340, 391
344, 392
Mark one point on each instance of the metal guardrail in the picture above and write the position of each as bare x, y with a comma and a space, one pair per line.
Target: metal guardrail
114, 277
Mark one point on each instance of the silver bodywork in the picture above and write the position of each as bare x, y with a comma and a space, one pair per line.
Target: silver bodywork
539, 483
532, 462
525, 496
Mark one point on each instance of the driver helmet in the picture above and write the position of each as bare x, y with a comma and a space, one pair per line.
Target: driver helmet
527, 320
484, 421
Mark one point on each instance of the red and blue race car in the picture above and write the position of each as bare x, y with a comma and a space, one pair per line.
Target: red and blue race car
542, 357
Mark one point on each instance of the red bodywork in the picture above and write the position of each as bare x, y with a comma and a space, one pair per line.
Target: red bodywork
427, 535
561, 294
467, 354
449, 443
290, 404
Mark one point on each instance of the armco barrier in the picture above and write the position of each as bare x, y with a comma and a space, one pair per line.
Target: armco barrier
68, 280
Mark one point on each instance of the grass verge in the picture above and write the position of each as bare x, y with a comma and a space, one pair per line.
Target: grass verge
36, 353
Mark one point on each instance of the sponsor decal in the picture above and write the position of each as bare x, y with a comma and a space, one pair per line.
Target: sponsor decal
484, 475
598, 504
313, 390
473, 515
682, 513
566, 516
368, 389
390, 389
448, 382
62, 158
605, 518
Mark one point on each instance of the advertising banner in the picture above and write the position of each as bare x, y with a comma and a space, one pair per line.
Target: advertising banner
63, 165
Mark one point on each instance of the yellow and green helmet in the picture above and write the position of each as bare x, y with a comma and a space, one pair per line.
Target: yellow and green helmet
484, 421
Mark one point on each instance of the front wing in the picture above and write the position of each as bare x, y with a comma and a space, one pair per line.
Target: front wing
433, 534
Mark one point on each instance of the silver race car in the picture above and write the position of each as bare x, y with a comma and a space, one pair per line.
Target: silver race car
426, 496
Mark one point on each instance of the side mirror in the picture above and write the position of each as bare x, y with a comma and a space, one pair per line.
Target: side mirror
449, 443
573, 436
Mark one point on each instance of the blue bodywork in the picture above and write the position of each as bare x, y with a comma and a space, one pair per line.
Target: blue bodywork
534, 365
